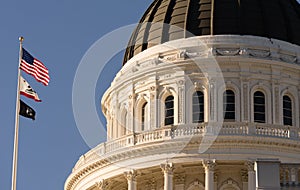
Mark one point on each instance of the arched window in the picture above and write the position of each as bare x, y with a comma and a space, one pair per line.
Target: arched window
287, 111
169, 110
229, 105
144, 115
259, 107
198, 107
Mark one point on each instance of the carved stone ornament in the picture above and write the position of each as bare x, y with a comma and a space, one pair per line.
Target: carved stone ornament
130, 175
153, 183
244, 174
227, 51
193, 54
209, 165
288, 58
259, 53
102, 185
244, 51
229, 181
179, 179
196, 85
152, 88
180, 82
167, 168
170, 58
156, 61
134, 69
182, 54
250, 166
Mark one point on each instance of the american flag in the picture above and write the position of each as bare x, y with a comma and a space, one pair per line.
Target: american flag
34, 67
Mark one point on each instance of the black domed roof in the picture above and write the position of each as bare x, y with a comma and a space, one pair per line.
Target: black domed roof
279, 19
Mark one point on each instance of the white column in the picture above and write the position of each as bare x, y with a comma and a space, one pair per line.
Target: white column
251, 175
168, 175
245, 94
209, 166
131, 179
131, 127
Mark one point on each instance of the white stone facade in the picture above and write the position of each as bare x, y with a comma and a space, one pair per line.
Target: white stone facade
143, 152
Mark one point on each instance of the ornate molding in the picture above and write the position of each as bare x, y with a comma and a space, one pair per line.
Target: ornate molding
230, 182
102, 185
244, 174
92, 162
167, 168
259, 53
130, 175
227, 51
250, 166
288, 58
209, 165
179, 178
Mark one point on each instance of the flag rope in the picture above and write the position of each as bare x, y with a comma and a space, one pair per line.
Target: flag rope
16, 137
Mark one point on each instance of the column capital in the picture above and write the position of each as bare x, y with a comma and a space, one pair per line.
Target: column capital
250, 166
130, 175
167, 168
209, 165
102, 185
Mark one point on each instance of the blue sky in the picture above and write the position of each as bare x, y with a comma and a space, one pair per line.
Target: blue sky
57, 32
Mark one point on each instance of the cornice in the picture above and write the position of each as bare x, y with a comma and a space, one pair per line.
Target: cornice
181, 53
235, 144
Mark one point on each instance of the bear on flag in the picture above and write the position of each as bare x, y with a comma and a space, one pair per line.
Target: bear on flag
26, 90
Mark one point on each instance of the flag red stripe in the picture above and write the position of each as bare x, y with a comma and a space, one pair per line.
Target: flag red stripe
31, 71
30, 96
40, 63
32, 67
34, 73
36, 68
37, 64
37, 78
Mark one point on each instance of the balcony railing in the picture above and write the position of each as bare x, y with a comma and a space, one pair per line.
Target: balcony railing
191, 130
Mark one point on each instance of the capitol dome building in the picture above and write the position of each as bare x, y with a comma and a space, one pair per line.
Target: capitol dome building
208, 98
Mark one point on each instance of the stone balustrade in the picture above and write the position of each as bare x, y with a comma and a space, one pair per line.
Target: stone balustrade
190, 130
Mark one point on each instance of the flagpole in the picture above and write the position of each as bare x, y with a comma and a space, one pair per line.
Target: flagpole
16, 139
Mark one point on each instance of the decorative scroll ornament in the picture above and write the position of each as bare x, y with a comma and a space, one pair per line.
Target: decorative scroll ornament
249, 165
259, 53
168, 58
130, 175
182, 54
167, 168
192, 54
156, 61
209, 165
288, 58
227, 51
102, 185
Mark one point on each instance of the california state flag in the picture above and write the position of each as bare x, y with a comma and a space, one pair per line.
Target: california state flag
26, 90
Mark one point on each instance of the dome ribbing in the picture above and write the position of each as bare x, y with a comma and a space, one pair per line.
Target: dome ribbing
278, 19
